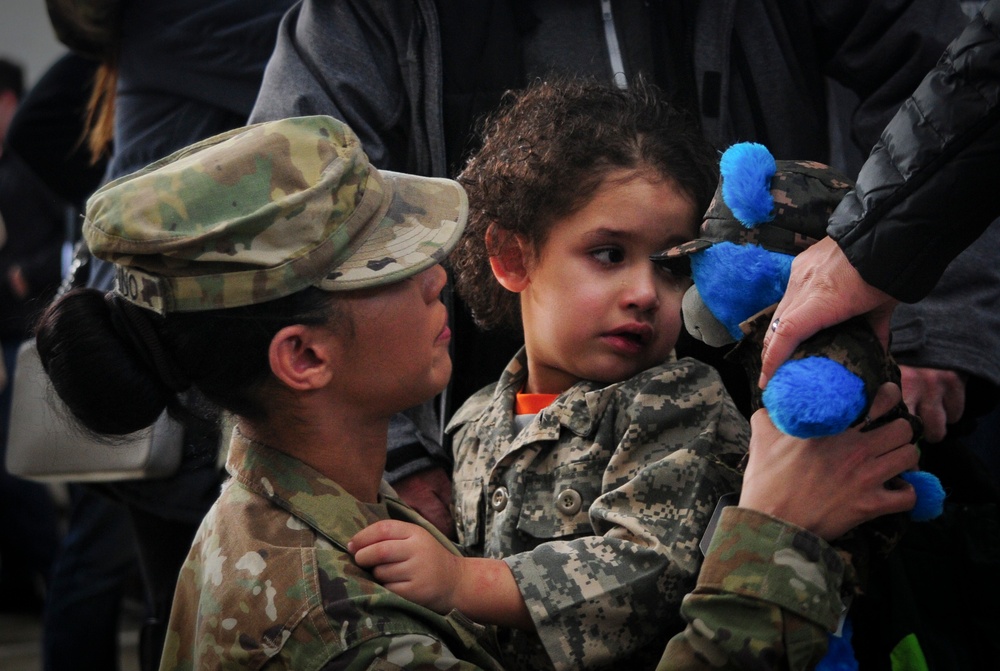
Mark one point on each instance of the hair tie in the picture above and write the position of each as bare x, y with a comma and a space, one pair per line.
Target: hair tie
133, 323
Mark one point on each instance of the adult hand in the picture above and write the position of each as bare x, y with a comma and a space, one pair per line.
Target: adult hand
830, 485
429, 493
936, 396
824, 289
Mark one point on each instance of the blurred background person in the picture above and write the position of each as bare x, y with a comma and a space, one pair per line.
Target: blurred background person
167, 75
34, 219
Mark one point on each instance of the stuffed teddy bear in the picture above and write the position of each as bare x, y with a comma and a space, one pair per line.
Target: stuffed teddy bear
764, 212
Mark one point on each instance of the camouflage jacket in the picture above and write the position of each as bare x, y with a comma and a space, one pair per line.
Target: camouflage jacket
269, 584
597, 506
767, 595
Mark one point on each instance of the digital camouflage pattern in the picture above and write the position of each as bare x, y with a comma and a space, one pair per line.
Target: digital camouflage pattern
269, 584
767, 595
597, 506
853, 344
805, 195
261, 212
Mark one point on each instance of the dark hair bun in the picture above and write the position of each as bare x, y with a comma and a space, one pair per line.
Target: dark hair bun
97, 373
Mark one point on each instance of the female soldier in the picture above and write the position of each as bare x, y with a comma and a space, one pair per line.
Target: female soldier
275, 273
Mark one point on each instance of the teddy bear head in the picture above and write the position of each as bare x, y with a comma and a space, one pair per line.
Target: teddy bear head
764, 213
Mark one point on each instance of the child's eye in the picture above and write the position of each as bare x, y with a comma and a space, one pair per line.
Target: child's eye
608, 255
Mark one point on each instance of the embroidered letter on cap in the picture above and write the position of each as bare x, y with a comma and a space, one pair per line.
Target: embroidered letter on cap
144, 290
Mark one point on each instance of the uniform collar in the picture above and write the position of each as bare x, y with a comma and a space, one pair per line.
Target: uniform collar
312, 497
302, 490
578, 409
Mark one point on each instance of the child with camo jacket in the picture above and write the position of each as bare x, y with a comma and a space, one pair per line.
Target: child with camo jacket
586, 477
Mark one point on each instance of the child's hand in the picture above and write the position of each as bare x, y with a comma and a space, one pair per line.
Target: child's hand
830, 485
408, 561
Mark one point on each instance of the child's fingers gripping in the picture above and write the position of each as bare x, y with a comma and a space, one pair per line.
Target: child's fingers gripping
377, 543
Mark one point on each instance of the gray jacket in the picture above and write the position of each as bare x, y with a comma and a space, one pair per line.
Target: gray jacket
759, 68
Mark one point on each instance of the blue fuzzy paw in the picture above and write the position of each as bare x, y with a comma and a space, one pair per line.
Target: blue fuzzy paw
930, 495
813, 397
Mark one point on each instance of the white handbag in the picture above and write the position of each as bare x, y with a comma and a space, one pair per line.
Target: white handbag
45, 443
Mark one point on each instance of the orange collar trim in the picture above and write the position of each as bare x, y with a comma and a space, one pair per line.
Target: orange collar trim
532, 404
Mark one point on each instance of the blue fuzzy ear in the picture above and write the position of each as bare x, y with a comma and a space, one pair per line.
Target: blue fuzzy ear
738, 281
747, 169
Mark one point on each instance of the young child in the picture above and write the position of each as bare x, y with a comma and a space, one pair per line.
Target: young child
594, 464
586, 477
277, 274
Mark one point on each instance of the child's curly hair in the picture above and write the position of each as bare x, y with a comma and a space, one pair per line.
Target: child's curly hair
545, 152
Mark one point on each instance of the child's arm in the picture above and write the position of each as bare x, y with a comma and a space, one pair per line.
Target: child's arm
408, 561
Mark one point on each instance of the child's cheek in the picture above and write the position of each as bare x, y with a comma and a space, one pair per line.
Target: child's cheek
669, 319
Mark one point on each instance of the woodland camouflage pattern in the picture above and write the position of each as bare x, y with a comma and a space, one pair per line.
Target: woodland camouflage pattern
269, 583
597, 506
261, 212
767, 595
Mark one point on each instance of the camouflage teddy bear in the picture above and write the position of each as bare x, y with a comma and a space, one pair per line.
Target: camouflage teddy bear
764, 212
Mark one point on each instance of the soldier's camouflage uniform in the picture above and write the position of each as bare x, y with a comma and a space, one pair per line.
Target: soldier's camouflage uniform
243, 218
598, 507
767, 595
269, 583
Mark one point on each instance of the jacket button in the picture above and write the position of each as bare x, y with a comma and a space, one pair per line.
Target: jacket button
569, 502
499, 500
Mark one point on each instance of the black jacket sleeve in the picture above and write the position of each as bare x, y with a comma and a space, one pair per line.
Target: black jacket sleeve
929, 187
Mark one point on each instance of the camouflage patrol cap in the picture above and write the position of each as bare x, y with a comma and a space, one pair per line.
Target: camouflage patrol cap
782, 206
264, 211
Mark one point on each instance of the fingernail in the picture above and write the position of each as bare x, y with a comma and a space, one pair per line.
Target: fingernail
762, 381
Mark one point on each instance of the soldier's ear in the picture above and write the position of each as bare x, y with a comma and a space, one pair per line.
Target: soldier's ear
302, 357
509, 256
